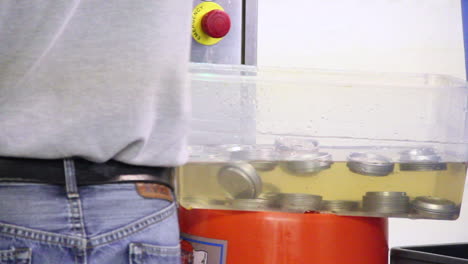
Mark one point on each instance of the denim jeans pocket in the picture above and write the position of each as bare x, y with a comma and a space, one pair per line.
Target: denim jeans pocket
141, 253
16, 256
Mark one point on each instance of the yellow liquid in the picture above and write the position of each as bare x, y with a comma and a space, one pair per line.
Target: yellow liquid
200, 181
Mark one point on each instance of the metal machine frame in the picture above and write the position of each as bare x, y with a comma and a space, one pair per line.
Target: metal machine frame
240, 45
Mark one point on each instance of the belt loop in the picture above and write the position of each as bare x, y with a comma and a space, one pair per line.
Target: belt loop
70, 178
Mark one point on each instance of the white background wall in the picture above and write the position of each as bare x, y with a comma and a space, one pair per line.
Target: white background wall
371, 35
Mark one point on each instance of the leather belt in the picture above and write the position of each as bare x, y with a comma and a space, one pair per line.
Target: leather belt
87, 172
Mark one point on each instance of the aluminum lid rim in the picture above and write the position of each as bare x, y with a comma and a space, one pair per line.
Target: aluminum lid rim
372, 159
253, 175
242, 174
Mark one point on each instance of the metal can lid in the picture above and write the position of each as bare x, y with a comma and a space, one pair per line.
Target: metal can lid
251, 204
306, 167
386, 194
273, 198
264, 165
387, 211
386, 202
419, 166
300, 208
369, 158
434, 204
339, 205
270, 196
422, 159
301, 199
424, 155
435, 215
309, 163
370, 164
300, 195
370, 169
240, 180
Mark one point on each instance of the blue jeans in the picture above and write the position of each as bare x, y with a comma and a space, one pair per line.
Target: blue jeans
97, 224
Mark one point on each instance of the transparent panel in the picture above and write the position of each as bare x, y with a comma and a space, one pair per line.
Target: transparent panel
295, 140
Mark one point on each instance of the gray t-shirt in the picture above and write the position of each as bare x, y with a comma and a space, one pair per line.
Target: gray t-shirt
95, 79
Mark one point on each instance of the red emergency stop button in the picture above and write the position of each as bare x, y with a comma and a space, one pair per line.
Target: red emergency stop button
216, 23
209, 23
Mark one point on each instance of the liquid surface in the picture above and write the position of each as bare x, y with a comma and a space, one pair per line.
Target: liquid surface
268, 187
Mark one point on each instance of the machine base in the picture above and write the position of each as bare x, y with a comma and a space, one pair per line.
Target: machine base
234, 237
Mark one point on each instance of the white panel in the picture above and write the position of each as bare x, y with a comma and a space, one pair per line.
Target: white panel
375, 35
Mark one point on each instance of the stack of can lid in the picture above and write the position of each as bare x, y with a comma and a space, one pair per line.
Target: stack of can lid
251, 204
370, 164
272, 197
339, 205
422, 159
434, 207
300, 202
386, 202
240, 181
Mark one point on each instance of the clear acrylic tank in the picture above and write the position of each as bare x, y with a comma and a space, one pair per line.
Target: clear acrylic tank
297, 140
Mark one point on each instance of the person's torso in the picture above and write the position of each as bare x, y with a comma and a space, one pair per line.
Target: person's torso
97, 79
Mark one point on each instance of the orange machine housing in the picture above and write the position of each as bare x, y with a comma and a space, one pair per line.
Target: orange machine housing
288, 238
